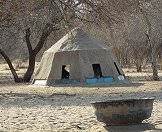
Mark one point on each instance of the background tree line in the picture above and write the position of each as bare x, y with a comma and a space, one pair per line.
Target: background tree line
132, 28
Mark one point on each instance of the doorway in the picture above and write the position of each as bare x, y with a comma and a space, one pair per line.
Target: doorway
65, 72
97, 70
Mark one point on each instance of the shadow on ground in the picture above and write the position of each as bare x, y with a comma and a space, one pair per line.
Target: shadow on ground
64, 99
133, 128
101, 85
11, 83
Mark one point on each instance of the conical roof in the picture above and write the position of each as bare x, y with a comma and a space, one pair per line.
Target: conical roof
77, 39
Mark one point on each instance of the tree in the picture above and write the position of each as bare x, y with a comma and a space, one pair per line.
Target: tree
151, 40
8, 20
32, 53
150, 13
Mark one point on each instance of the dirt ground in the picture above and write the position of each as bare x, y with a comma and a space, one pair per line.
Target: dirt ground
25, 108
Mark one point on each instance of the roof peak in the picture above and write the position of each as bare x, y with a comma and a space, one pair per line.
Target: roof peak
77, 39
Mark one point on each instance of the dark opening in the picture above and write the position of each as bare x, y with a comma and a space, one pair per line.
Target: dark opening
117, 68
97, 70
65, 72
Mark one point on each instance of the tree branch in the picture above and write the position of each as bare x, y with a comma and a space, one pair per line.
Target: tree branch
27, 38
49, 28
4, 55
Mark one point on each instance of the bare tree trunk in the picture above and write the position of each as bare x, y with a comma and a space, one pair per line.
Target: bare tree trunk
139, 64
153, 59
152, 46
31, 66
160, 56
13, 71
139, 68
30, 69
154, 64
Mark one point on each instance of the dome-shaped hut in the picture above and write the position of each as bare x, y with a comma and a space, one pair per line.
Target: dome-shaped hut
77, 58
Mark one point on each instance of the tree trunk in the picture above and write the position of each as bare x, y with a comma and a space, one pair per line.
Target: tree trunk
33, 52
152, 46
13, 71
138, 64
154, 65
160, 56
30, 69
155, 72
139, 68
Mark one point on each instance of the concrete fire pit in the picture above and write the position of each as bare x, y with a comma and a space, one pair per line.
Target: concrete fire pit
123, 112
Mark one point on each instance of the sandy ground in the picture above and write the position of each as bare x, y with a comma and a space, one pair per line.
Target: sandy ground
32, 108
